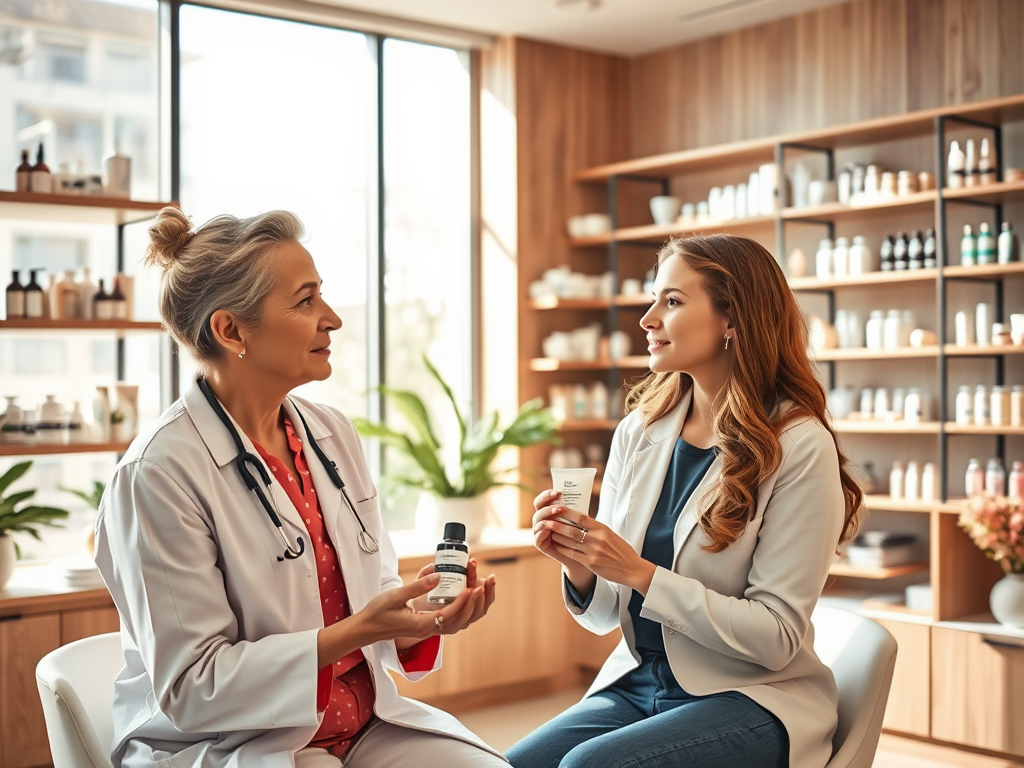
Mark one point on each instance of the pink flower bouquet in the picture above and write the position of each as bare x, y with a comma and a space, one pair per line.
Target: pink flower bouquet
996, 525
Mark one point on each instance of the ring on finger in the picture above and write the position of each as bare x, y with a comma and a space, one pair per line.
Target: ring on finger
438, 623
583, 536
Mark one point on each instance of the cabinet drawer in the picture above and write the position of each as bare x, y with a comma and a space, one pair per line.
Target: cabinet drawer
907, 709
976, 690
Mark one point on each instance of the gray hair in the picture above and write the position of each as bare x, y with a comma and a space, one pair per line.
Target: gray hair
225, 264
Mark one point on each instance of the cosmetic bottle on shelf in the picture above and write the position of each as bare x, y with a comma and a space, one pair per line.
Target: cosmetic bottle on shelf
42, 179
35, 297
986, 244
968, 248
15, 296
930, 259
23, 173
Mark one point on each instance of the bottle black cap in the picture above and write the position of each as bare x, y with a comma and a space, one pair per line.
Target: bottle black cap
455, 531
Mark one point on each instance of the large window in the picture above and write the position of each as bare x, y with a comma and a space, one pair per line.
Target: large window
277, 114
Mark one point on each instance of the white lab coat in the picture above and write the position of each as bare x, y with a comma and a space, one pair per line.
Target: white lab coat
219, 635
739, 619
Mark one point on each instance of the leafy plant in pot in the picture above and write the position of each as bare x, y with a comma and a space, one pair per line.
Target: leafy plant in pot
16, 517
456, 494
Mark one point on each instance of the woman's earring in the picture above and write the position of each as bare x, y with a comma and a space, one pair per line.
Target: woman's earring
726, 342
243, 352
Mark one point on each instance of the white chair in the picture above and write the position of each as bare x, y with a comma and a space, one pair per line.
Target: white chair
861, 655
76, 685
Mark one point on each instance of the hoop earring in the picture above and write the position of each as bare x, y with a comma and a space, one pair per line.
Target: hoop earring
726, 341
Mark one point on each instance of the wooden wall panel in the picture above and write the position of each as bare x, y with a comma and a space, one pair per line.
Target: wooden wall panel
842, 63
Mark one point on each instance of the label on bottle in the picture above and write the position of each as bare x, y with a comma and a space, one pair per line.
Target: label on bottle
42, 181
34, 304
15, 304
451, 564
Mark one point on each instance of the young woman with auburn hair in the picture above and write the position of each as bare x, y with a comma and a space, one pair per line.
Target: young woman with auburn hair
722, 505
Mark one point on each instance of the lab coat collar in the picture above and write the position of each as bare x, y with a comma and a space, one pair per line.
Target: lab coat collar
219, 442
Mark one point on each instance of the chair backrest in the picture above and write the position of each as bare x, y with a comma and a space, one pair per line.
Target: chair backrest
76, 686
861, 654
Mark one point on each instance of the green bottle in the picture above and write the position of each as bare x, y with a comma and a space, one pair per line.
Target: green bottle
968, 248
986, 245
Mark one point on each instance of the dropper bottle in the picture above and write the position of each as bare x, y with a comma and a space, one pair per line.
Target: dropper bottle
451, 561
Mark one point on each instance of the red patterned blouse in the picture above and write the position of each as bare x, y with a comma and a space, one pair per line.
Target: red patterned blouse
345, 692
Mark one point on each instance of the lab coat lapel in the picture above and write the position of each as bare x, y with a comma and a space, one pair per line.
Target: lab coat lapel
223, 451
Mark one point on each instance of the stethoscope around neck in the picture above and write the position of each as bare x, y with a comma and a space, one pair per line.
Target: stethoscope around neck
245, 460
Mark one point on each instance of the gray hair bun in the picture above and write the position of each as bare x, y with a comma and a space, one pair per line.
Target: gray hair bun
170, 233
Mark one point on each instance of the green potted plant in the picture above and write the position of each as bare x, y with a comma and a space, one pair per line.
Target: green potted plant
17, 517
456, 493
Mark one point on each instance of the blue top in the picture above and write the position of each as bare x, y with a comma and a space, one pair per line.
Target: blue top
687, 468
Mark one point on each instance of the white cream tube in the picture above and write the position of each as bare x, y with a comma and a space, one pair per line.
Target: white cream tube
575, 485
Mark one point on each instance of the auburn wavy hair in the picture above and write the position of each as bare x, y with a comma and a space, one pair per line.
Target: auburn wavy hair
770, 368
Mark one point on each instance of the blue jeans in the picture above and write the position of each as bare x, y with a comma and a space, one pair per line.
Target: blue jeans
646, 719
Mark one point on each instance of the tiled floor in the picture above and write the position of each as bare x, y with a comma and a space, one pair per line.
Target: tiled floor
502, 726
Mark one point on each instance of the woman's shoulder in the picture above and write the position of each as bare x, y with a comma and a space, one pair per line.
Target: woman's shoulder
805, 432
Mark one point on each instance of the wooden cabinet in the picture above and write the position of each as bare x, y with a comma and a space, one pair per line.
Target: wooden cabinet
76, 625
976, 690
23, 642
523, 637
908, 708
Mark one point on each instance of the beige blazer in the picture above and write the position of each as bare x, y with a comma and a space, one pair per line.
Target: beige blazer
219, 636
740, 619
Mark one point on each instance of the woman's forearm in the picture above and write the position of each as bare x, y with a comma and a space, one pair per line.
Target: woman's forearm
581, 578
340, 639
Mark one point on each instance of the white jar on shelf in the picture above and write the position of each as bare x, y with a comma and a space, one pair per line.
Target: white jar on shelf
874, 330
981, 406
912, 482
929, 483
823, 260
964, 406
896, 480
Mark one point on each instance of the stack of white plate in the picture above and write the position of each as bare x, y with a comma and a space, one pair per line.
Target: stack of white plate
79, 573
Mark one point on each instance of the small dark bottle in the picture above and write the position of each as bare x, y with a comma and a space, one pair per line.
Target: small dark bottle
930, 258
15, 297
34, 297
42, 179
451, 561
899, 252
915, 251
102, 308
23, 175
118, 304
885, 252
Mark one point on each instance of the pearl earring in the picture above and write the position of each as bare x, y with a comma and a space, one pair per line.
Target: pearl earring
240, 354
726, 342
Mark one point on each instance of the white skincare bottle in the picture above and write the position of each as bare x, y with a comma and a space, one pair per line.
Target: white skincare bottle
451, 561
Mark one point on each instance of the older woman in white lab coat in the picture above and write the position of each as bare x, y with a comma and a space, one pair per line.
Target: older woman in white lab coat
261, 634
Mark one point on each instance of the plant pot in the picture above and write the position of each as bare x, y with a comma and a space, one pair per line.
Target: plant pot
7, 558
432, 512
1007, 600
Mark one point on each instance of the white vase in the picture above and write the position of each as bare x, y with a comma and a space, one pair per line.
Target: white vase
432, 512
7, 558
1007, 600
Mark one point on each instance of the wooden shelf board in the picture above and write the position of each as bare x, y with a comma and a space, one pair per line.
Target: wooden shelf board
970, 429
985, 270
78, 325
871, 278
1000, 192
554, 302
842, 569
885, 427
952, 350
896, 608
551, 364
830, 355
48, 449
587, 425
75, 209
831, 211
889, 504
658, 233
757, 151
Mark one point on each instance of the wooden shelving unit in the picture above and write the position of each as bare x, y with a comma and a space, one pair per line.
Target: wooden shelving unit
553, 364
919, 202
849, 571
869, 427
869, 279
1000, 192
832, 355
985, 270
952, 350
656, 233
78, 325
54, 449
33, 206
554, 302
953, 428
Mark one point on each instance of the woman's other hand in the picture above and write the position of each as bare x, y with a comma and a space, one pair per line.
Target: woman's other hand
473, 582
578, 574
586, 543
